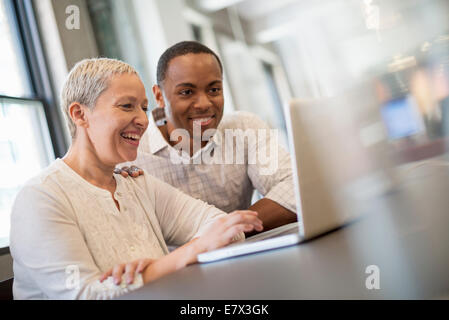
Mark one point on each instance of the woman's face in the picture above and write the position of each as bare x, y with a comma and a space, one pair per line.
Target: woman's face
118, 120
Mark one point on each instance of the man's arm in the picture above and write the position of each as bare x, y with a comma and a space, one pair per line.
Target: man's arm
272, 214
273, 177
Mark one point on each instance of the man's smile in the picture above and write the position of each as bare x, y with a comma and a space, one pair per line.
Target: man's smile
202, 120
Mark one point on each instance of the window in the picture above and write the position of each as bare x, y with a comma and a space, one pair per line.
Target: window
13, 78
197, 32
28, 126
25, 149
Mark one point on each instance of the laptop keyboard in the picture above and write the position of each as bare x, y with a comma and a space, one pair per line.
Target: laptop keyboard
290, 228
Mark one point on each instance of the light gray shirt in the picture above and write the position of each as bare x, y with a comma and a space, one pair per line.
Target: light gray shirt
228, 185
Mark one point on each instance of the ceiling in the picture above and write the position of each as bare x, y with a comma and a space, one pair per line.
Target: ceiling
266, 19
247, 9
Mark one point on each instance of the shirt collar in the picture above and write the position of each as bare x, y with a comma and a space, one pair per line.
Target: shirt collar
218, 137
156, 141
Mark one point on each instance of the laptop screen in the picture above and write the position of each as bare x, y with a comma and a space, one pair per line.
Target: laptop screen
401, 118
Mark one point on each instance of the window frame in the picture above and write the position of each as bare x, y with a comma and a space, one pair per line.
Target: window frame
38, 71
35, 65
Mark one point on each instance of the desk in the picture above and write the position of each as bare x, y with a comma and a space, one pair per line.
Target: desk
405, 234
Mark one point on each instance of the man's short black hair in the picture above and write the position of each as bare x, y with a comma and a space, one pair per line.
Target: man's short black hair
181, 49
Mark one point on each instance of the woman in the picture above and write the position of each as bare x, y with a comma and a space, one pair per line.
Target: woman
80, 231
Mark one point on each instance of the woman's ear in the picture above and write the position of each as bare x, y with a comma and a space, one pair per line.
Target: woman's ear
78, 113
158, 96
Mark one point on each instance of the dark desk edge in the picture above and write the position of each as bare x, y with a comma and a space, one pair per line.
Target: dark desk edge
4, 250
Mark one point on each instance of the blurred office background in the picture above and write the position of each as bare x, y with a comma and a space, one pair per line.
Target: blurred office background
272, 51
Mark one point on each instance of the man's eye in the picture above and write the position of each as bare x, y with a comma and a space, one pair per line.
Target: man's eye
145, 109
186, 92
215, 90
127, 106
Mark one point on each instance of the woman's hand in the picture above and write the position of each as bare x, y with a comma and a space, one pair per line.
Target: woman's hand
128, 269
222, 232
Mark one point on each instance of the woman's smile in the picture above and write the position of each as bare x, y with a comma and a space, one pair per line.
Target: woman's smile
131, 137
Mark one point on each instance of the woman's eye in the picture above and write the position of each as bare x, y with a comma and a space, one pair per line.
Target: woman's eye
145, 109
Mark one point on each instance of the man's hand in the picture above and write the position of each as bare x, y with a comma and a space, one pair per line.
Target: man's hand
132, 171
272, 214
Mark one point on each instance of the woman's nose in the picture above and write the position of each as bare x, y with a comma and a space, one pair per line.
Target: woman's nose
142, 119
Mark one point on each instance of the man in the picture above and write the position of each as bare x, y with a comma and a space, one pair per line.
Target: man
190, 90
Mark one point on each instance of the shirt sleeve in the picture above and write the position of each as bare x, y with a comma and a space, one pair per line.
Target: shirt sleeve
269, 164
181, 217
49, 247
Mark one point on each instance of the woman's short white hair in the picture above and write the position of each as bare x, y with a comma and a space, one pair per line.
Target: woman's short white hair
86, 81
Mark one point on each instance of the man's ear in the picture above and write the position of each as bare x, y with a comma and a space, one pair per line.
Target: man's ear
158, 96
78, 113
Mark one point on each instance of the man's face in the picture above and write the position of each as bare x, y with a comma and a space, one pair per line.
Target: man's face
192, 92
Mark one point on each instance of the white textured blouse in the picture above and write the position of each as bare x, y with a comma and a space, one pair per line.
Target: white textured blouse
66, 232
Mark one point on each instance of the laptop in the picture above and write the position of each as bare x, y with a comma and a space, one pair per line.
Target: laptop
339, 163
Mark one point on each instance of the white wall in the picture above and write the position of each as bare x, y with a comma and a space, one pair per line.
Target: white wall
160, 24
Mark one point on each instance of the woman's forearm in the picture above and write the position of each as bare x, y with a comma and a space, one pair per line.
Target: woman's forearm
220, 233
178, 259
